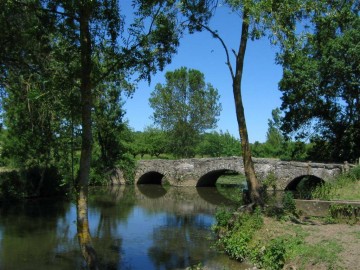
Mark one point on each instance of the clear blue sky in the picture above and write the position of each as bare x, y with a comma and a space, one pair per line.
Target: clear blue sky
202, 52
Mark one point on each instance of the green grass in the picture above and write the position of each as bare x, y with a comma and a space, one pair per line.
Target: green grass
357, 235
232, 179
324, 252
272, 244
343, 187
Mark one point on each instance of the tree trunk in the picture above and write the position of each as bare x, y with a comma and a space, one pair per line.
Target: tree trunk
84, 236
253, 183
83, 231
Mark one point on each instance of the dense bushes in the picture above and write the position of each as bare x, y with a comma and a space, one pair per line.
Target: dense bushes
34, 182
239, 238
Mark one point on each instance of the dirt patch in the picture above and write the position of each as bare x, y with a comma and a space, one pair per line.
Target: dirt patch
347, 236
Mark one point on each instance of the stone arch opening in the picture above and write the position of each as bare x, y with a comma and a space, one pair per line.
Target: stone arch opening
154, 178
302, 186
209, 179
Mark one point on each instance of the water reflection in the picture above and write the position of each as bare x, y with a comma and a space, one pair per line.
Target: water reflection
132, 228
152, 191
181, 241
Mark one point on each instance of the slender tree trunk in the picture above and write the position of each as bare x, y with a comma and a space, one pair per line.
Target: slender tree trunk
254, 184
84, 236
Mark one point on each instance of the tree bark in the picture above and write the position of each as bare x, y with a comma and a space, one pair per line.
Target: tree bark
84, 236
254, 184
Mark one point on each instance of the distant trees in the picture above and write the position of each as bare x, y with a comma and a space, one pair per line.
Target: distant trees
152, 141
218, 144
156, 143
184, 107
277, 146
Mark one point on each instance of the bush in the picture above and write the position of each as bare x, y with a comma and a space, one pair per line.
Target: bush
236, 236
16, 185
289, 203
354, 173
11, 186
344, 213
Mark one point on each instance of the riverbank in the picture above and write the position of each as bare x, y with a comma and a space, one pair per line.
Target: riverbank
293, 244
314, 244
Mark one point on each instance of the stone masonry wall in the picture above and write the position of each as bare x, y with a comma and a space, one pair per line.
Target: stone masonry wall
187, 172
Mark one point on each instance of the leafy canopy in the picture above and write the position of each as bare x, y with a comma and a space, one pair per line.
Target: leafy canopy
185, 106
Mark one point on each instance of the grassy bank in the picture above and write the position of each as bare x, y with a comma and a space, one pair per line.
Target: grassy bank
278, 239
270, 243
343, 187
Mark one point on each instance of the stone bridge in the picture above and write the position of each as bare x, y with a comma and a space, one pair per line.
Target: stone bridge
205, 171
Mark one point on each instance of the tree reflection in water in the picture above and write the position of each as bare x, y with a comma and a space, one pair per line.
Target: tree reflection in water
83, 231
183, 241
114, 206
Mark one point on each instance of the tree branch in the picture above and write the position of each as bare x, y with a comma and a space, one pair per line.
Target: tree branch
216, 35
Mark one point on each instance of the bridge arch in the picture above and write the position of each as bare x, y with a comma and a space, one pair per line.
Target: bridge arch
151, 177
209, 179
304, 184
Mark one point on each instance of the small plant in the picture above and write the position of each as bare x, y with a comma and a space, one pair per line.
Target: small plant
274, 254
354, 173
270, 181
222, 217
344, 213
289, 203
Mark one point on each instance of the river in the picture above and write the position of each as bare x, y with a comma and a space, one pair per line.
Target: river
132, 227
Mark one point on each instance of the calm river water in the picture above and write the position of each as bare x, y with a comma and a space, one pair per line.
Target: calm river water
144, 227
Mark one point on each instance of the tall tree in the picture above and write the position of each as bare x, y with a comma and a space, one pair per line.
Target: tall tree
185, 106
276, 18
92, 46
274, 139
321, 83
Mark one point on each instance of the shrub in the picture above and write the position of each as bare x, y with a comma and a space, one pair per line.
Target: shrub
236, 236
11, 186
289, 203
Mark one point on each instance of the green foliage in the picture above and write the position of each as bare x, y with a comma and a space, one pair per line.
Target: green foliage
237, 235
270, 180
217, 144
11, 186
41, 53
273, 255
222, 217
185, 106
33, 182
343, 187
344, 213
289, 203
354, 173
151, 141
320, 81
127, 165
276, 145
243, 236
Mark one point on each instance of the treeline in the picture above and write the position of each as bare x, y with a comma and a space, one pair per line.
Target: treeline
155, 143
